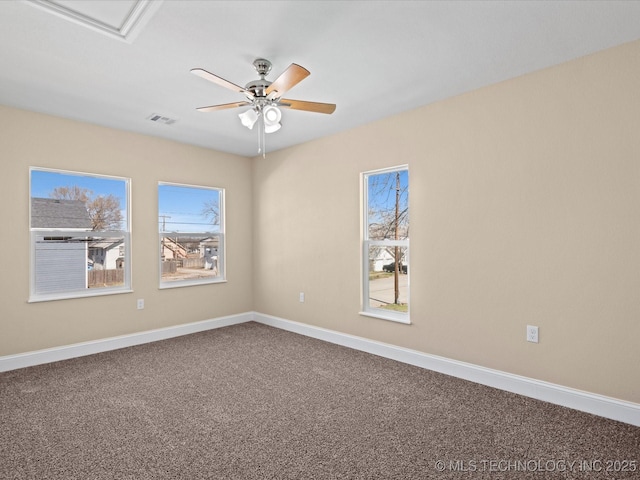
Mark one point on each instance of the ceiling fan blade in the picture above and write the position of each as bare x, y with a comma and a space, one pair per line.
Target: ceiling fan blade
223, 106
293, 75
317, 107
220, 81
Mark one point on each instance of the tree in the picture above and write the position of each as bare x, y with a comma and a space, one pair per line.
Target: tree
72, 192
388, 210
388, 207
104, 211
211, 211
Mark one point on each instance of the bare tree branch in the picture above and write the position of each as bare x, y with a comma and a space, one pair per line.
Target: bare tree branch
105, 212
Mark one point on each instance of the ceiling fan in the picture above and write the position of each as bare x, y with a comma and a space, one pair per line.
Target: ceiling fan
265, 97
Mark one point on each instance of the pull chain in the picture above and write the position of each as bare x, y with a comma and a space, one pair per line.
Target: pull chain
262, 138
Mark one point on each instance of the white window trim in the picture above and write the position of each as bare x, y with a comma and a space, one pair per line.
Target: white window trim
89, 292
366, 310
222, 278
222, 258
35, 232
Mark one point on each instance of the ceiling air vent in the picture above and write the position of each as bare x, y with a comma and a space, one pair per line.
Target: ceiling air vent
155, 117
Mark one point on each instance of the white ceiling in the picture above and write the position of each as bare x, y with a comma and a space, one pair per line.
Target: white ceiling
117, 63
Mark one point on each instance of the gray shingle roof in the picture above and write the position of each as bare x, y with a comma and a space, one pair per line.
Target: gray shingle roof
54, 213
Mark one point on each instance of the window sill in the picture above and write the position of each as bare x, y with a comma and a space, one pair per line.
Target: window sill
398, 318
68, 296
190, 283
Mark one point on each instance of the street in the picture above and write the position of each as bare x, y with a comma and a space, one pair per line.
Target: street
381, 291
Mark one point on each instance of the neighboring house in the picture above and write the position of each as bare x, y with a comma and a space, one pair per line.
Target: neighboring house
60, 258
209, 250
172, 249
383, 257
106, 254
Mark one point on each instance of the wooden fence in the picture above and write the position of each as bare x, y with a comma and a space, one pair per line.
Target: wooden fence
102, 278
169, 266
192, 262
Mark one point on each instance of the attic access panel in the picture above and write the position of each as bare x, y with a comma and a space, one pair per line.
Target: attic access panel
122, 19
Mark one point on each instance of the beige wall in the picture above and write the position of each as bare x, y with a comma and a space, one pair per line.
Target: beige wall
524, 201
524, 210
30, 139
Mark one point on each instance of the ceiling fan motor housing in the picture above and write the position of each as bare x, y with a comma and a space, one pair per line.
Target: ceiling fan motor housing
258, 87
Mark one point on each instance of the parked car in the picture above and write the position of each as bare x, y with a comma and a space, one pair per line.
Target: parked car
390, 267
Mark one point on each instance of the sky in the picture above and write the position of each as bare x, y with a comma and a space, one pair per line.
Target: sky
43, 182
382, 190
180, 208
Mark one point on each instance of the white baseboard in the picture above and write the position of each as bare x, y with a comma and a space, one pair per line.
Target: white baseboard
601, 405
38, 357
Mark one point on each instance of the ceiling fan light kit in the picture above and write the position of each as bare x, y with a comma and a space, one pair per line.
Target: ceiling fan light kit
249, 118
272, 128
272, 115
265, 98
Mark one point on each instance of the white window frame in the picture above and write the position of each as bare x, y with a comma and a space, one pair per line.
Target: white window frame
367, 243
221, 257
38, 234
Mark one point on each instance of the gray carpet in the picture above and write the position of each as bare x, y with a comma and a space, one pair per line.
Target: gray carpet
254, 402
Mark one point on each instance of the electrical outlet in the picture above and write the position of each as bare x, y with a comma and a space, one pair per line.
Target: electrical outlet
140, 303
301, 297
532, 334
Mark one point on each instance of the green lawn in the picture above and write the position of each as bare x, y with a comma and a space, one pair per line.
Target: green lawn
402, 307
378, 275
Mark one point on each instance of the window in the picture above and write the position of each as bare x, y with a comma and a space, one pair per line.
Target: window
191, 235
385, 246
80, 240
